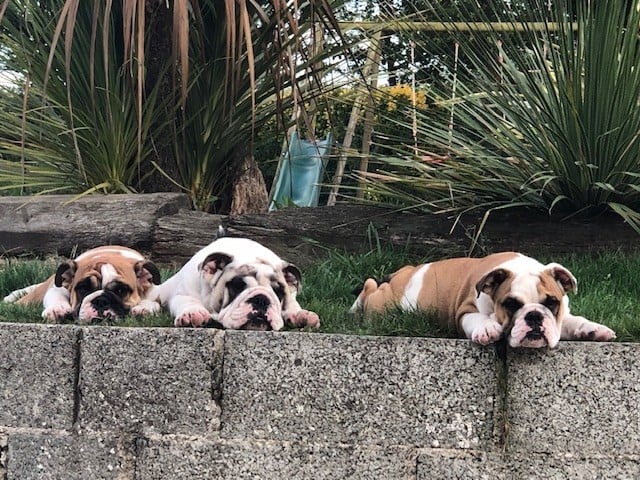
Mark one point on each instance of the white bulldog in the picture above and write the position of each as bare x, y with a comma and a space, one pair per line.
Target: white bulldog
236, 283
104, 283
504, 294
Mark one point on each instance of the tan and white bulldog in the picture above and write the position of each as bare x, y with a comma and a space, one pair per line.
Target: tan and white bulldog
505, 294
104, 283
236, 283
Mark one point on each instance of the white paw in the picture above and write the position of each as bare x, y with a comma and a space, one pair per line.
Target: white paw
57, 313
304, 318
146, 307
193, 317
595, 332
488, 332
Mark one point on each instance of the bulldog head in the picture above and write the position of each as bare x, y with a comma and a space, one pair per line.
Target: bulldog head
105, 283
251, 294
530, 304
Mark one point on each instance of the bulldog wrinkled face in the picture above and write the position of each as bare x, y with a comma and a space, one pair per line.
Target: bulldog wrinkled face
530, 306
249, 297
534, 324
105, 291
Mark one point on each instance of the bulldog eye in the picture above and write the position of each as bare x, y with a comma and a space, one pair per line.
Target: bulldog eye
84, 288
279, 291
512, 305
552, 303
120, 290
235, 286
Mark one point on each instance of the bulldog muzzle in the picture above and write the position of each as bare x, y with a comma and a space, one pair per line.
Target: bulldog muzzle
102, 305
256, 308
534, 326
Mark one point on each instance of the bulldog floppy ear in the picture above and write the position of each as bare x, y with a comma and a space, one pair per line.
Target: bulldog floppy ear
292, 276
214, 262
65, 273
491, 281
564, 277
147, 273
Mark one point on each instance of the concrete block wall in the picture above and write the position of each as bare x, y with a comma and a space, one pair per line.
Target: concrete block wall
142, 404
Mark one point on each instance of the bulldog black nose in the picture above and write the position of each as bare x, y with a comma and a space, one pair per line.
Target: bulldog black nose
534, 319
259, 302
100, 303
109, 305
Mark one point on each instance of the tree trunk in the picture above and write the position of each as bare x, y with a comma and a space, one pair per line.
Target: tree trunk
249, 190
159, 49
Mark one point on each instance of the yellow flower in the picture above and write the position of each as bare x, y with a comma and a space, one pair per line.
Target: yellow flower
404, 94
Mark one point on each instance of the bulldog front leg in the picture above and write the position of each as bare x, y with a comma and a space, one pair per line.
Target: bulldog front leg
481, 328
56, 305
579, 328
303, 318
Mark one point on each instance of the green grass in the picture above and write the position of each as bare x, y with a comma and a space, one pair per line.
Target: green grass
608, 292
327, 289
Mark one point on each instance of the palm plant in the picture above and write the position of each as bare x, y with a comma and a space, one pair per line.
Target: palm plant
101, 96
538, 118
71, 125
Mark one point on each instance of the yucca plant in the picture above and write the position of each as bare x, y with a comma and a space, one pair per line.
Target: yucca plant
110, 90
544, 118
70, 124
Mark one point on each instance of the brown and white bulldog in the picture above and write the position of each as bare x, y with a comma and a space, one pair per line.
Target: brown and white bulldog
236, 283
505, 294
104, 283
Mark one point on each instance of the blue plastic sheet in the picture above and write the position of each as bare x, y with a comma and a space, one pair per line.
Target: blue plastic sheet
301, 172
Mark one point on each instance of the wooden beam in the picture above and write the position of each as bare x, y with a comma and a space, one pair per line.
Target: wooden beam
367, 133
371, 78
400, 25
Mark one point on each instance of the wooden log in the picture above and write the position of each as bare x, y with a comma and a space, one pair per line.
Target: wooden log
62, 224
301, 235
163, 226
297, 234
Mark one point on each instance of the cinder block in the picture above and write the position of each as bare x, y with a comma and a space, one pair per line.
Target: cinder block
365, 390
37, 375
4, 442
224, 460
150, 378
579, 398
69, 457
443, 465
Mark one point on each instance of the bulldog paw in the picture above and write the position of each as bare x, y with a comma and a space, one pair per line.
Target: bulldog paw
487, 333
304, 318
595, 332
146, 307
57, 313
195, 317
